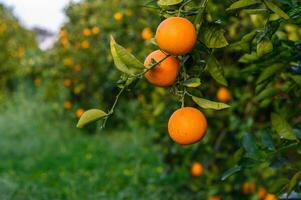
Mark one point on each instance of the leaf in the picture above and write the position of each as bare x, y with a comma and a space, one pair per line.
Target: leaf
265, 46
241, 4
256, 11
280, 125
216, 71
207, 104
249, 144
213, 36
268, 72
199, 18
193, 82
293, 182
231, 171
169, 2
267, 92
267, 140
273, 7
90, 116
122, 58
297, 79
248, 58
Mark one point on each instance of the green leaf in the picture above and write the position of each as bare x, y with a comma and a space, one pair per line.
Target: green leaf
256, 11
163, 3
297, 79
90, 116
269, 71
207, 104
231, 171
265, 46
249, 144
273, 7
248, 58
193, 82
213, 36
293, 182
241, 4
123, 60
280, 125
267, 140
267, 92
216, 71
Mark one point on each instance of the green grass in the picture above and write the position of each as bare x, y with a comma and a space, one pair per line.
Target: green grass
42, 156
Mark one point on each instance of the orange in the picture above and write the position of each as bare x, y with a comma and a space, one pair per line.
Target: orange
67, 82
79, 112
37, 82
67, 105
77, 68
196, 169
214, 198
147, 34
223, 94
118, 16
68, 61
85, 44
248, 188
270, 197
63, 34
187, 125
86, 32
176, 35
95, 30
261, 192
165, 73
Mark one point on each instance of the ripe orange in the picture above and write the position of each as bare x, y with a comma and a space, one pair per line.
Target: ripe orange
67, 105
248, 188
261, 192
214, 198
95, 30
270, 197
79, 112
147, 34
85, 44
187, 125
37, 82
118, 16
67, 82
176, 35
165, 73
223, 94
196, 169
86, 32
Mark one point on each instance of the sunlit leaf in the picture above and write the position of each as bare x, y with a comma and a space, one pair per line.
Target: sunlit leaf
207, 104
169, 2
280, 125
193, 82
273, 7
90, 116
216, 71
242, 3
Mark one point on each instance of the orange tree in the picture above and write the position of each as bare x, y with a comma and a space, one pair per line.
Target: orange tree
245, 53
80, 62
17, 47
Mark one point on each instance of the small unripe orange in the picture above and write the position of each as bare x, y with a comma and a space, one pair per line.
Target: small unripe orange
86, 32
95, 30
85, 44
196, 169
270, 197
67, 105
261, 192
118, 16
147, 34
67, 82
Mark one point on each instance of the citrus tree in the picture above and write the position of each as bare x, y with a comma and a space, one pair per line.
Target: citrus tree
17, 47
232, 70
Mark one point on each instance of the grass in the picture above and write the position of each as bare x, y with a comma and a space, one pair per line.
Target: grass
44, 157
